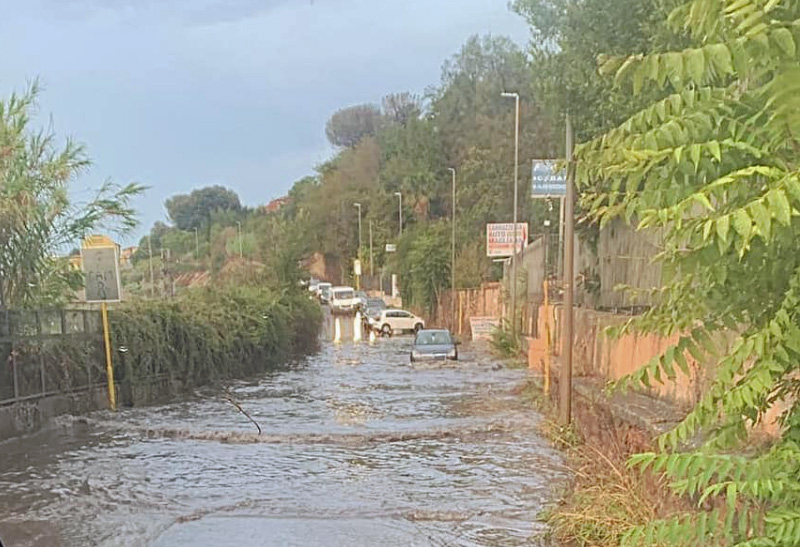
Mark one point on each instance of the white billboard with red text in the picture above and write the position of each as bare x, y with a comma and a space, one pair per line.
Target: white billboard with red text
500, 238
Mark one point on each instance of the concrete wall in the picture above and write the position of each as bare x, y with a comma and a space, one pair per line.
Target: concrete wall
28, 417
596, 355
604, 359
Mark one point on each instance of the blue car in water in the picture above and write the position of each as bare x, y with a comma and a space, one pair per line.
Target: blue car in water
434, 344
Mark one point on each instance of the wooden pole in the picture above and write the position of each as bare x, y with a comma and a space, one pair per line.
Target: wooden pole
546, 290
565, 387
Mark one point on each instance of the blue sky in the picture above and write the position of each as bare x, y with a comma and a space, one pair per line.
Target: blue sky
178, 94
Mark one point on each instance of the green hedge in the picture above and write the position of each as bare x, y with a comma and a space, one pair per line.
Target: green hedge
212, 334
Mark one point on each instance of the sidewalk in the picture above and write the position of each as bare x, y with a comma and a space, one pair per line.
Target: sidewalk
630, 418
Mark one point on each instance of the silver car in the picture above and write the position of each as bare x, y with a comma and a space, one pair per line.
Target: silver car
434, 344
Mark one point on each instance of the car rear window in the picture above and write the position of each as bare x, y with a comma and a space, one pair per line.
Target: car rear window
436, 338
343, 295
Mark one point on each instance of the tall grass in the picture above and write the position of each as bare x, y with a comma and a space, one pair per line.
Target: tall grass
212, 334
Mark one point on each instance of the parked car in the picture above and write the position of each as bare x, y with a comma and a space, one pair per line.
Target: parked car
434, 344
343, 300
325, 293
373, 307
372, 310
321, 287
362, 298
396, 321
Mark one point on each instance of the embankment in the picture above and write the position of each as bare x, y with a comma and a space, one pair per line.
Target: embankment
161, 349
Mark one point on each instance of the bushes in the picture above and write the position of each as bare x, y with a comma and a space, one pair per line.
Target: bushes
212, 334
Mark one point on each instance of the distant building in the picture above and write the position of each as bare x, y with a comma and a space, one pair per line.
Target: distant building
276, 204
126, 257
94, 241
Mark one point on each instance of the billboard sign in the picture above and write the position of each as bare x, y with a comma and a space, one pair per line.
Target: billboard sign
500, 238
548, 179
101, 272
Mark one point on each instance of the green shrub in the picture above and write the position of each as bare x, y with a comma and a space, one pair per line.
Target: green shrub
212, 334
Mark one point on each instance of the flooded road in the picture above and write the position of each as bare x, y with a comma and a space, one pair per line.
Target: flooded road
358, 449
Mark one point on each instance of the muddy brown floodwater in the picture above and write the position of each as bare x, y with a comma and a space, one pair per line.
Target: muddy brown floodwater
358, 449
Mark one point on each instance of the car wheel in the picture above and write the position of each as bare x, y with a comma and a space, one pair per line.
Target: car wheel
386, 330
417, 328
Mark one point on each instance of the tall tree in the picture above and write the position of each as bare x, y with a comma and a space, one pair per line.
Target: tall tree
568, 37
38, 219
349, 126
401, 108
714, 165
194, 210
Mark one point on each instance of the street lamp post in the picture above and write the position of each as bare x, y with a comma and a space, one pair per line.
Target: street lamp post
358, 277
358, 206
453, 254
371, 255
400, 210
150, 260
515, 96
239, 228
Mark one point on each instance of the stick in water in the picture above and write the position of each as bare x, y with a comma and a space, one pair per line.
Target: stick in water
230, 399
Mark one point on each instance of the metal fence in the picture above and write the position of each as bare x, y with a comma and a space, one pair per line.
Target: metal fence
46, 352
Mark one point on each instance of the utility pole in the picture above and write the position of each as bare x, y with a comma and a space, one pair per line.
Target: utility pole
400, 210
565, 387
239, 228
515, 96
371, 256
453, 254
358, 277
196, 244
150, 260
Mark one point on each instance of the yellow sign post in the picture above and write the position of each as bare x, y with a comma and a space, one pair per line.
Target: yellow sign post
100, 259
112, 391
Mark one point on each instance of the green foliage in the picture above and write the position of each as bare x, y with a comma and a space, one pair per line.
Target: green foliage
714, 165
349, 126
401, 108
506, 342
567, 39
423, 260
194, 210
210, 335
38, 218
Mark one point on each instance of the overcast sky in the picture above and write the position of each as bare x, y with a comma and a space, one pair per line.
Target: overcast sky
178, 94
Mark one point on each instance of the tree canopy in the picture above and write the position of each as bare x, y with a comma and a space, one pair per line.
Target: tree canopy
194, 210
349, 126
39, 220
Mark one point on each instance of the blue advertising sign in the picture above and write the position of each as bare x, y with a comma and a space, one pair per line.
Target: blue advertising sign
548, 180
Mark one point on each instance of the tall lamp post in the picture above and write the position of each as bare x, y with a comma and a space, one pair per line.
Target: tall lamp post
239, 229
515, 96
358, 277
453, 254
400, 210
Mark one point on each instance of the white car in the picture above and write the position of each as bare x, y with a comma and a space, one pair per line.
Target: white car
344, 300
392, 321
321, 288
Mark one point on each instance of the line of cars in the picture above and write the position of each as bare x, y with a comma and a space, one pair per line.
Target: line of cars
428, 344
